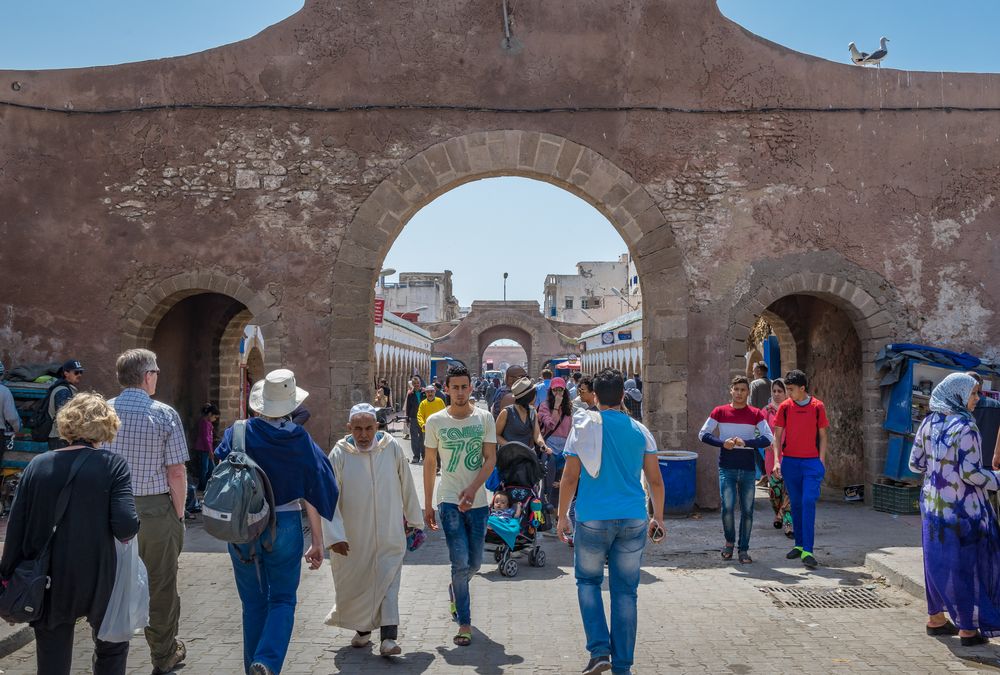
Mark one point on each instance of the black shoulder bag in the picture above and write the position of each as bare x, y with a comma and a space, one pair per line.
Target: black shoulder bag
22, 596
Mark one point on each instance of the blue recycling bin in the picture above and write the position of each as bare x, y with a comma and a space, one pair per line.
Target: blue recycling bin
679, 478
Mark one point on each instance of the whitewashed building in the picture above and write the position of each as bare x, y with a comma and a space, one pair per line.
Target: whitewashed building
402, 350
597, 293
422, 296
615, 344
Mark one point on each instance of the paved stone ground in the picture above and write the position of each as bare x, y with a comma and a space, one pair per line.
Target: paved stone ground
697, 614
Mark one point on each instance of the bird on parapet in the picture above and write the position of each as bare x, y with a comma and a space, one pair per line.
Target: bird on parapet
866, 59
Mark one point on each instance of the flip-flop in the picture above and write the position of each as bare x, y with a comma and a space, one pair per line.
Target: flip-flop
727, 551
463, 639
745, 557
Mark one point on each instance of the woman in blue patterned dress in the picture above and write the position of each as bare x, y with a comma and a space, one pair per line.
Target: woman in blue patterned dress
961, 536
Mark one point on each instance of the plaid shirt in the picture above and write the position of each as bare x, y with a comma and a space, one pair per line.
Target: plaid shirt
150, 438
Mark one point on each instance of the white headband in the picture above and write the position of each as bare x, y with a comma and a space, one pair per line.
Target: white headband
362, 409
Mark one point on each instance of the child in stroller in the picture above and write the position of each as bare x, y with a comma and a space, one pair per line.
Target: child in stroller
517, 513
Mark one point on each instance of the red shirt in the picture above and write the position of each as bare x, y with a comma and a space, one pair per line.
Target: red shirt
801, 424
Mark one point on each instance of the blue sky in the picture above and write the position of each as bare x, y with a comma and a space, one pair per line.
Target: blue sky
523, 227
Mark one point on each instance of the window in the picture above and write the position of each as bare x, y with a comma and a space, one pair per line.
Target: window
584, 303
595, 303
569, 303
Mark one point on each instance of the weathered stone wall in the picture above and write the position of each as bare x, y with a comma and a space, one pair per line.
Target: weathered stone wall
737, 172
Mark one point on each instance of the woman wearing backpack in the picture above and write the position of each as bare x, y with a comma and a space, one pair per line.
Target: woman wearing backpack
267, 570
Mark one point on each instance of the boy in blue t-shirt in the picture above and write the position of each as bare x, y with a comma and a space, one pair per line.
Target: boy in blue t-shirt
607, 454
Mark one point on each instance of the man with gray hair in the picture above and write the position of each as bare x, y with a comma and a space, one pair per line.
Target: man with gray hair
152, 440
367, 533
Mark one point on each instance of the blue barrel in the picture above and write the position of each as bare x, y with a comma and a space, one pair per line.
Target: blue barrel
678, 470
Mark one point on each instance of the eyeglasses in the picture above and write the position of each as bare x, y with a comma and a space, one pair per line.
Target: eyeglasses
78, 372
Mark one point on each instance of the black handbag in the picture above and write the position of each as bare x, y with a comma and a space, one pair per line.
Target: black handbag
22, 595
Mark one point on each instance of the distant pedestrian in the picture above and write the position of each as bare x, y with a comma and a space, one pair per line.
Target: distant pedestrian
633, 400
607, 456
738, 429
268, 570
542, 388
572, 383
776, 491
638, 381
10, 420
367, 535
383, 394
204, 444
60, 392
503, 397
800, 436
585, 399
99, 510
961, 537
555, 419
414, 397
152, 440
760, 388
465, 435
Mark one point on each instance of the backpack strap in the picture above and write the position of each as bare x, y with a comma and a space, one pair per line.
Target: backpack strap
240, 436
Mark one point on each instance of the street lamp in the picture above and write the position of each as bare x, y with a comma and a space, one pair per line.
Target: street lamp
387, 272
505, 286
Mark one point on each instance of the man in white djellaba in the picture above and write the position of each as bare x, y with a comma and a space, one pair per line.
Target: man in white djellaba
367, 535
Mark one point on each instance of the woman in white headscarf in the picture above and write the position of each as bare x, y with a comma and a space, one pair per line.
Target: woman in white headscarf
961, 537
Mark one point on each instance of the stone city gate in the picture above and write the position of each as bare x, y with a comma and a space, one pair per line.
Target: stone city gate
744, 178
521, 321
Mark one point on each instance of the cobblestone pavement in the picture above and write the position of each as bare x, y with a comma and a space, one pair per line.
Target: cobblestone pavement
697, 614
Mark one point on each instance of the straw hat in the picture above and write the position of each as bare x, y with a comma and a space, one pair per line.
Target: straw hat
521, 387
276, 395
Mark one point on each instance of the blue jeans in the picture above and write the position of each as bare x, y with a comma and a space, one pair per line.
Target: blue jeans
620, 543
802, 480
733, 484
466, 537
269, 600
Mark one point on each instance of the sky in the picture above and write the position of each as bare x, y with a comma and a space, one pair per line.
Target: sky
552, 229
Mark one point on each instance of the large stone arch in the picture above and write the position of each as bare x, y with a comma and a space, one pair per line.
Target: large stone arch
542, 156
505, 331
868, 300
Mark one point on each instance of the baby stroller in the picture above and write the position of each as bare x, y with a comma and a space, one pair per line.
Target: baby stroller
520, 473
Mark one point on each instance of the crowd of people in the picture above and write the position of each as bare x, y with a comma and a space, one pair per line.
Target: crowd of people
118, 472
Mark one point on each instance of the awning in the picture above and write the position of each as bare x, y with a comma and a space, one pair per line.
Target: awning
568, 365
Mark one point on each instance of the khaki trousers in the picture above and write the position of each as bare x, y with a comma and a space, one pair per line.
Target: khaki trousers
161, 537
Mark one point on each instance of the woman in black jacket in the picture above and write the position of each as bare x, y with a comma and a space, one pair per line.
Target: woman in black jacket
83, 559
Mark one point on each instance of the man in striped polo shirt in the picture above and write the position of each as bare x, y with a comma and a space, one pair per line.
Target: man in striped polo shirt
738, 429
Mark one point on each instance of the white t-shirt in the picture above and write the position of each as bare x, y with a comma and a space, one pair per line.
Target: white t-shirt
459, 443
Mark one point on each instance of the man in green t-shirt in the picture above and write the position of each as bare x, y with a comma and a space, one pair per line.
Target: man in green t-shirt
465, 436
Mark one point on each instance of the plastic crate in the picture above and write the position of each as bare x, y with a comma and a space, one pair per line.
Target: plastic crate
898, 499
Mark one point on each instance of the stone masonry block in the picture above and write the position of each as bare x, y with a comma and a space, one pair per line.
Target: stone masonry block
528, 149
437, 159
480, 160
568, 157
458, 156
388, 196
545, 160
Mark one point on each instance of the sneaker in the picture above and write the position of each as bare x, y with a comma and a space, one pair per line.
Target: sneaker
361, 640
809, 561
598, 664
389, 648
260, 669
794, 553
180, 653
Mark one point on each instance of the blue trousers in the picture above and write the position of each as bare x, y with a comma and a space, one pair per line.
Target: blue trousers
620, 543
465, 533
803, 478
269, 600
737, 484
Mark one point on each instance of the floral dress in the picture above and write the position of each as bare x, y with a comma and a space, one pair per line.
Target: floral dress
780, 502
961, 537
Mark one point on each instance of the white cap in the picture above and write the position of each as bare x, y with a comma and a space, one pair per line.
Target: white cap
361, 409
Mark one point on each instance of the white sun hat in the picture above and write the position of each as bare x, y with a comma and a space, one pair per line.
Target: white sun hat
276, 395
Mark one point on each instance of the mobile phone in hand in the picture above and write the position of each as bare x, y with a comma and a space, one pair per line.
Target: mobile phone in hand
656, 533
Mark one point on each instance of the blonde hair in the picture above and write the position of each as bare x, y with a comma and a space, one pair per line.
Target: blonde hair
87, 417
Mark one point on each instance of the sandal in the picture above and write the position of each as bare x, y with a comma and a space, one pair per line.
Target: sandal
727, 551
745, 557
463, 639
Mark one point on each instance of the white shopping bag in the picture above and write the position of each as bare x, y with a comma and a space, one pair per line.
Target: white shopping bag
128, 608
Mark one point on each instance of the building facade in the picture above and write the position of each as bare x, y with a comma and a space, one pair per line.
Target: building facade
402, 350
598, 292
427, 296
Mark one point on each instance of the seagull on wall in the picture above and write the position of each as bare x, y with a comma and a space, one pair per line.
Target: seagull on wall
866, 59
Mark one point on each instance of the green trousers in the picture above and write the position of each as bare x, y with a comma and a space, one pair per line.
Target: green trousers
161, 537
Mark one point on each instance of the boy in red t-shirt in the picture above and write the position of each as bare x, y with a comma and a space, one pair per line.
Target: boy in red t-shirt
800, 438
